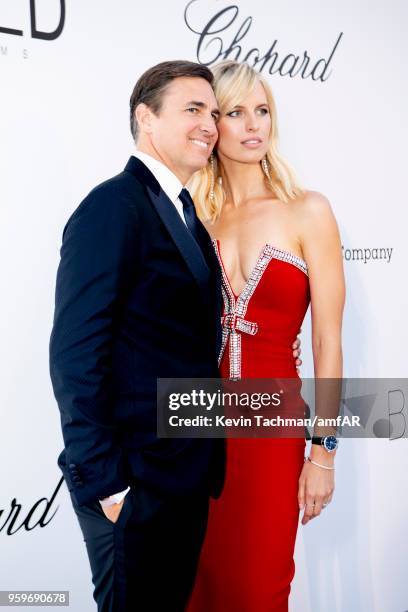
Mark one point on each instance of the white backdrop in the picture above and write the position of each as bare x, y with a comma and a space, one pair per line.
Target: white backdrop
64, 128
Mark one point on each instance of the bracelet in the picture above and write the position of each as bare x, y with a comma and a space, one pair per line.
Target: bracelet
325, 467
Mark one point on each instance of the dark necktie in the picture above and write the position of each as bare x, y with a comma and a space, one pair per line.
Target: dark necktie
191, 218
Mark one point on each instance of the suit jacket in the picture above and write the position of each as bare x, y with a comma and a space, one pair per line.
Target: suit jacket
136, 299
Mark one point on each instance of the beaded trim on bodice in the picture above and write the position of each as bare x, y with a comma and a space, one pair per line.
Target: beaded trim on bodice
233, 321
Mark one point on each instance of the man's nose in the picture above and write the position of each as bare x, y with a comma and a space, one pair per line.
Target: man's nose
208, 126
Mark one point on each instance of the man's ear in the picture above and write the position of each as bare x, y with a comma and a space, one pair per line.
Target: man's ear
144, 117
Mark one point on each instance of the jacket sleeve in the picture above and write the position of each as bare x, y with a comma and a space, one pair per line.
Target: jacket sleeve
98, 263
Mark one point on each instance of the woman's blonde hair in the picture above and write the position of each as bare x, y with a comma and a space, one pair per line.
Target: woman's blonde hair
233, 82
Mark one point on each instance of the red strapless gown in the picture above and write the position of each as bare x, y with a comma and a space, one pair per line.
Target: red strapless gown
247, 564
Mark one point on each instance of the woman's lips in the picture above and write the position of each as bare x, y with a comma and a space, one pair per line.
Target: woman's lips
252, 143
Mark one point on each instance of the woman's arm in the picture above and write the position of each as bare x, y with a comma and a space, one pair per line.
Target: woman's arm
322, 252
321, 248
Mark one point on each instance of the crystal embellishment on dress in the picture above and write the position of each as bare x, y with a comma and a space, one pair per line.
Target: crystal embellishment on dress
289, 258
233, 321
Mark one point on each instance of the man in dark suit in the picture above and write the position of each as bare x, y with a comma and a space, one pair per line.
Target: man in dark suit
138, 298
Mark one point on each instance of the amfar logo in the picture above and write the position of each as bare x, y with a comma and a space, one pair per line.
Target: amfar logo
35, 32
213, 40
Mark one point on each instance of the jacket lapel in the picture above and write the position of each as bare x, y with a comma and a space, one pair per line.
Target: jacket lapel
179, 233
181, 236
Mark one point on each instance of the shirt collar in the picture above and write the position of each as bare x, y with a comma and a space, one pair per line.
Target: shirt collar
167, 180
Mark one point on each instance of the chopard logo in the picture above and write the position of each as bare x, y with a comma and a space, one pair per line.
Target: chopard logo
221, 38
368, 254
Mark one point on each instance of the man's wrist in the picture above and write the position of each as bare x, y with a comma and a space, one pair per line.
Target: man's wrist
116, 498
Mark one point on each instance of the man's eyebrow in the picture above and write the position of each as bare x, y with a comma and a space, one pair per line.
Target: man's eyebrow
201, 105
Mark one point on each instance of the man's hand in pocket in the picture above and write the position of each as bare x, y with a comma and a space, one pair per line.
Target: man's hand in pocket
112, 512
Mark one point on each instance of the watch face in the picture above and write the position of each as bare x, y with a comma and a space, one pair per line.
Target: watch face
330, 443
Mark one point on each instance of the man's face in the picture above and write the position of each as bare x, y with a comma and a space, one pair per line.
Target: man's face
184, 132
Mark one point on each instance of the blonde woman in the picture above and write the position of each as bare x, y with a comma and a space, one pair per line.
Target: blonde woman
279, 249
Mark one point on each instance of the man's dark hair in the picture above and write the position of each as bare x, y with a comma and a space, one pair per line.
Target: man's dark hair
151, 86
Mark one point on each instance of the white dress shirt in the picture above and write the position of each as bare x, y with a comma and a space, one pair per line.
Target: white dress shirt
171, 185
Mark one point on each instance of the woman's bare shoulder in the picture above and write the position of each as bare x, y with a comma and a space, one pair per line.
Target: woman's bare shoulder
312, 202
312, 207
316, 220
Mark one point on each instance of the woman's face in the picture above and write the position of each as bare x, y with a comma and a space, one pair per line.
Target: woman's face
243, 131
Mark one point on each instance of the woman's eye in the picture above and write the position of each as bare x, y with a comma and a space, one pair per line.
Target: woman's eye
233, 113
263, 111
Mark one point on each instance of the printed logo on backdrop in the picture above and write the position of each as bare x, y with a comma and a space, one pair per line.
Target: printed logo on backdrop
26, 518
223, 35
368, 254
8, 30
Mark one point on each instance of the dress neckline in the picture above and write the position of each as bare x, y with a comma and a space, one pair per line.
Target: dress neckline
286, 256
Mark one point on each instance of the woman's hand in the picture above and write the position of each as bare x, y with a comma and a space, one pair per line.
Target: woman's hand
316, 485
296, 353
